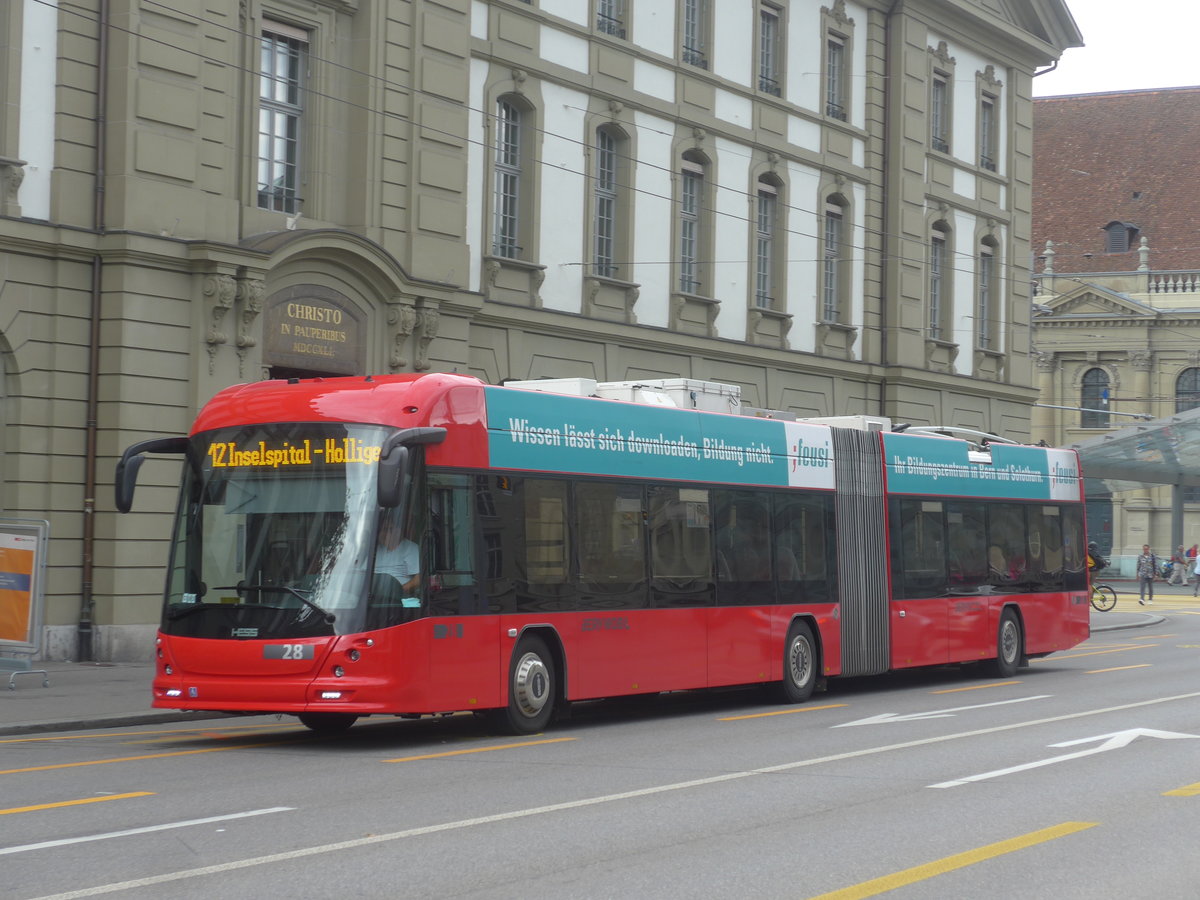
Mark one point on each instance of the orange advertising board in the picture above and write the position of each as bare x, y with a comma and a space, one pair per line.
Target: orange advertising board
18, 559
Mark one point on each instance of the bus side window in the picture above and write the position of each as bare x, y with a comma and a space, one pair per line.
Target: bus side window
966, 538
1006, 545
680, 547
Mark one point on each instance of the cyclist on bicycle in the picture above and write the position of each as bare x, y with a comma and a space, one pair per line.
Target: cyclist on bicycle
1094, 559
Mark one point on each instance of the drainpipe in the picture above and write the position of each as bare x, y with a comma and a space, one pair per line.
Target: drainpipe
884, 241
85, 648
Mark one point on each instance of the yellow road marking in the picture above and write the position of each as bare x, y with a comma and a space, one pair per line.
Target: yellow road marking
21, 809
480, 750
121, 759
1192, 790
1117, 669
109, 734
976, 687
782, 712
958, 861
1058, 656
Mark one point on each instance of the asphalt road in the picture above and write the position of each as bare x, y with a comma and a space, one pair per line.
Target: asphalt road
1079, 778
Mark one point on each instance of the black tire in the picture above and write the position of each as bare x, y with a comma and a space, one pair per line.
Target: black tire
1104, 597
532, 683
328, 723
1008, 645
799, 664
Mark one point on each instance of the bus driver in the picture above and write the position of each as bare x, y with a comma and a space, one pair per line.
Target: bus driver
398, 557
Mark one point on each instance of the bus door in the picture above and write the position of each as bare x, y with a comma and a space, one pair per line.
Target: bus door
920, 605
675, 656
462, 633
740, 644
968, 581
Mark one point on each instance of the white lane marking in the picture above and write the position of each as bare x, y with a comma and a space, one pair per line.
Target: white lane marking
577, 804
1114, 741
146, 830
933, 714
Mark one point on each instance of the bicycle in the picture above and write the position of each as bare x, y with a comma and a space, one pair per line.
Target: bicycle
1104, 597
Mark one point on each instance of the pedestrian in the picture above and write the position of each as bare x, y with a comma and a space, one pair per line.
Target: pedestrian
1191, 555
1147, 566
1178, 567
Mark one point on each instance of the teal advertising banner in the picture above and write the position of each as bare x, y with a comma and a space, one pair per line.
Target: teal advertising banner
917, 464
547, 432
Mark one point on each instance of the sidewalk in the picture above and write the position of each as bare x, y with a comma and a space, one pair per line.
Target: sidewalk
82, 696
116, 695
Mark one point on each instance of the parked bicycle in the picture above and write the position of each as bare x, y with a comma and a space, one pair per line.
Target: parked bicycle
1104, 597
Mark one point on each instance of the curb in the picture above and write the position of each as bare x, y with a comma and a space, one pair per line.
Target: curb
114, 721
1148, 619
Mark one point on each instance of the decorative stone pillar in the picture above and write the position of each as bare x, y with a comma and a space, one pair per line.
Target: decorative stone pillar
1048, 255
219, 293
428, 319
249, 297
401, 319
1142, 363
1047, 422
12, 173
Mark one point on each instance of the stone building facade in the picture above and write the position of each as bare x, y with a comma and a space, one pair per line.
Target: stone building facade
824, 203
1117, 289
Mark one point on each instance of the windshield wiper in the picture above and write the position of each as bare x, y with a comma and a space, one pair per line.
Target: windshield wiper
241, 587
179, 610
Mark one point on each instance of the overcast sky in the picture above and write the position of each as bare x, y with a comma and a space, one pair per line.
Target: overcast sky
1129, 46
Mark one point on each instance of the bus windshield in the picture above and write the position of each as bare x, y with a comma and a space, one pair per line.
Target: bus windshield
274, 532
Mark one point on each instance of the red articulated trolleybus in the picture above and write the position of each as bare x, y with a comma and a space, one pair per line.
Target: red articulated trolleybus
555, 545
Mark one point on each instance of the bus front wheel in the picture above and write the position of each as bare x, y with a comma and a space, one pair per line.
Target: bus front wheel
799, 664
1008, 645
531, 687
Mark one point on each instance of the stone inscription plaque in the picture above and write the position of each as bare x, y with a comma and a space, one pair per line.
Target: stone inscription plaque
313, 328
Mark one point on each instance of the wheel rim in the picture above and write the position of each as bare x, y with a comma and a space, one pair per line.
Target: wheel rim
799, 661
1008, 640
531, 685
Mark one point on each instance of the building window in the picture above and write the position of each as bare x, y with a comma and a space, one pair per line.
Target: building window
1187, 390
986, 296
769, 55
610, 17
937, 282
1118, 237
939, 112
832, 259
691, 224
605, 200
695, 33
1093, 399
764, 246
835, 77
505, 239
280, 95
987, 132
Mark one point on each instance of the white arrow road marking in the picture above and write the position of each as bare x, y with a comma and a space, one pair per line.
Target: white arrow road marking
933, 714
1113, 741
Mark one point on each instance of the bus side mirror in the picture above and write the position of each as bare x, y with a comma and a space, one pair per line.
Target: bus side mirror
392, 468
393, 461
131, 460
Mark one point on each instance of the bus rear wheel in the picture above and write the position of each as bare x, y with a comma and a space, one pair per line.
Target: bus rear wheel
799, 664
1008, 645
532, 683
327, 723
